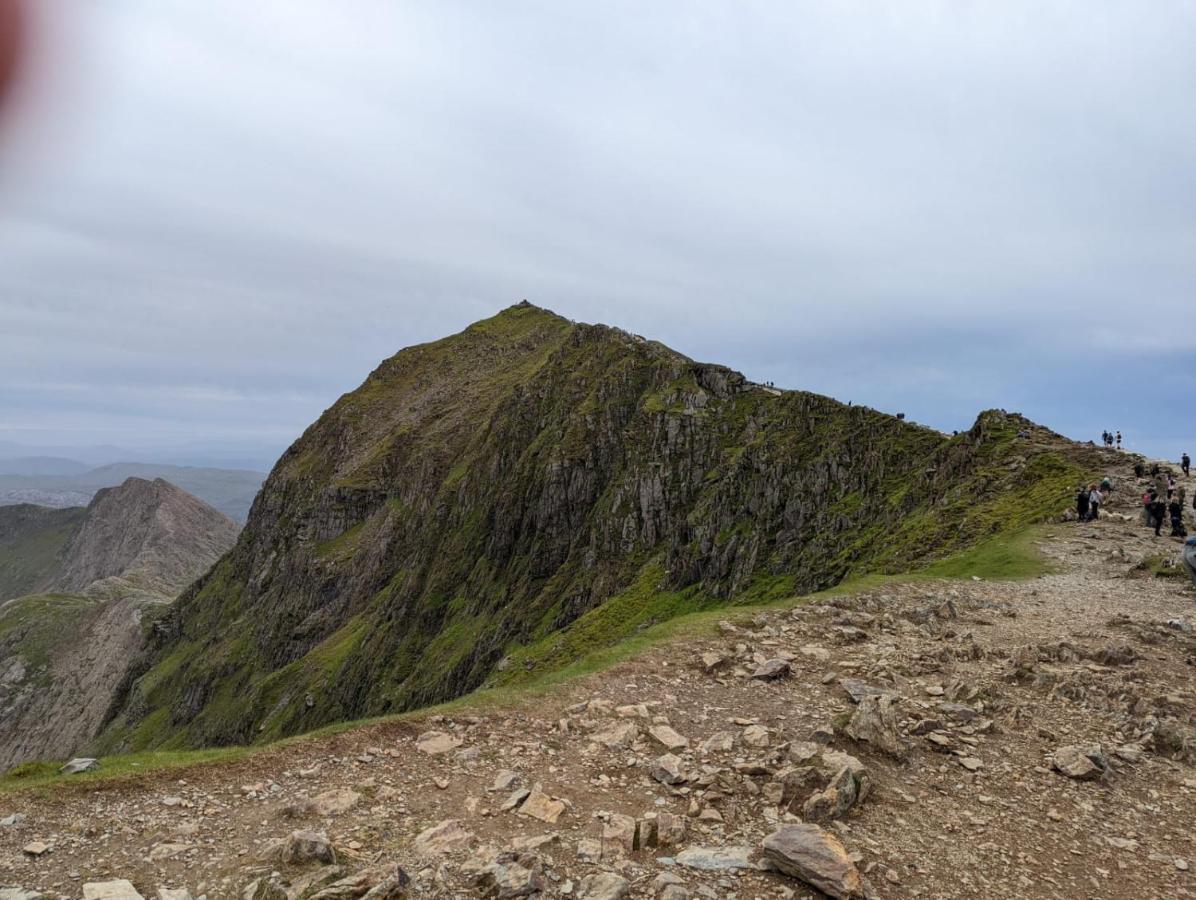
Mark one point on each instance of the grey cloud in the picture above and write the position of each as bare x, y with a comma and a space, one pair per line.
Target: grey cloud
932, 207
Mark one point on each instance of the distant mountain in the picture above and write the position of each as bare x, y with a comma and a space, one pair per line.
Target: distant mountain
229, 490
501, 501
42, 465
87, 584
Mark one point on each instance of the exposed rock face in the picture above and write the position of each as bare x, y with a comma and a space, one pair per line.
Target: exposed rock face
144, 536
113, 569
463, 513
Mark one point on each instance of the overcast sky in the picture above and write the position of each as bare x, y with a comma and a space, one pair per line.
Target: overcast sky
221, 215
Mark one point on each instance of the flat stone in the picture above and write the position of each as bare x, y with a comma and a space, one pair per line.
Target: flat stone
16, 893
858, 690
448, 836
716, 859
617, 736
36, 848
335, 802
668, 738
816, 857
539, 805
120, 889
434, 743
80, 764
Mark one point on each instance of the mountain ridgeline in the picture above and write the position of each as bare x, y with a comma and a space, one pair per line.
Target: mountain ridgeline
491, 505
79, 589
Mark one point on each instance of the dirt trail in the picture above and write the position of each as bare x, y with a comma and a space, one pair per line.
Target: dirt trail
985, 682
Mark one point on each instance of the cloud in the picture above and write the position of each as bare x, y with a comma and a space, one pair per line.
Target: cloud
931, 207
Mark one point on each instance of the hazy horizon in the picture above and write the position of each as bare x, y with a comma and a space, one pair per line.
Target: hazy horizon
217, 219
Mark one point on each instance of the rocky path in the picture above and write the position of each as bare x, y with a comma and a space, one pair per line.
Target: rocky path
928, 739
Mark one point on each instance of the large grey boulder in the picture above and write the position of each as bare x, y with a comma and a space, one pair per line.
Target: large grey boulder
810, 854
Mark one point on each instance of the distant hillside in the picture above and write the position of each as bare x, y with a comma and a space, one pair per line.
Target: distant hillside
507, 498
229, 490
42, 465
87, 584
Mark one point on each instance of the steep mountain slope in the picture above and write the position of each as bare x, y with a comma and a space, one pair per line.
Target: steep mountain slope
32, 539
231, 491
480, 497
100, 575
143, 537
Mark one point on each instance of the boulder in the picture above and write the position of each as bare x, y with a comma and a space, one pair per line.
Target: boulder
604, 886
772, 669
1083, 762
874, 722
668, 770
305, 847
816, 857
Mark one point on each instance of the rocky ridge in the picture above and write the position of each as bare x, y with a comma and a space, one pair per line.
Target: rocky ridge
102, 576
488, 507
965, 738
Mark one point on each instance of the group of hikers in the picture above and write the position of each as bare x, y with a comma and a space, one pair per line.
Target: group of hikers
1163, 502
1108, 438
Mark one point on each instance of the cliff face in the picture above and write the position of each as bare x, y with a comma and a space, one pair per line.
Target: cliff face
144, 536
103, 575
486, 493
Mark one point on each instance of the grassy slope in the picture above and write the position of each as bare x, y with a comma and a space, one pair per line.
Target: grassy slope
1007, 556
31, 541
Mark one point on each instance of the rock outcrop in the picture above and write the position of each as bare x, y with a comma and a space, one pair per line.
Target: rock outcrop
492, 505
102, 576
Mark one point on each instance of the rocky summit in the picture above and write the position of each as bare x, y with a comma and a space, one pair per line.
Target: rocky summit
492, 506
81, 588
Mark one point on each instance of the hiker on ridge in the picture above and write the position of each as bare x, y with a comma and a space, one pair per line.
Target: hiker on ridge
1158, 512
1176, 510
1185, 463
1119, 440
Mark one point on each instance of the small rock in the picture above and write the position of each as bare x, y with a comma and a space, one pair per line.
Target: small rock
80, 764
540, 806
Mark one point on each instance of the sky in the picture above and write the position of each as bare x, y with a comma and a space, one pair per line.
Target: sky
218, 216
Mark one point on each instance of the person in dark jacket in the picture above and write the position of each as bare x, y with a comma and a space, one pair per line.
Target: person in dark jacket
1158, 512
1185, 463
1190, 558
1082, 504
1176, 510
